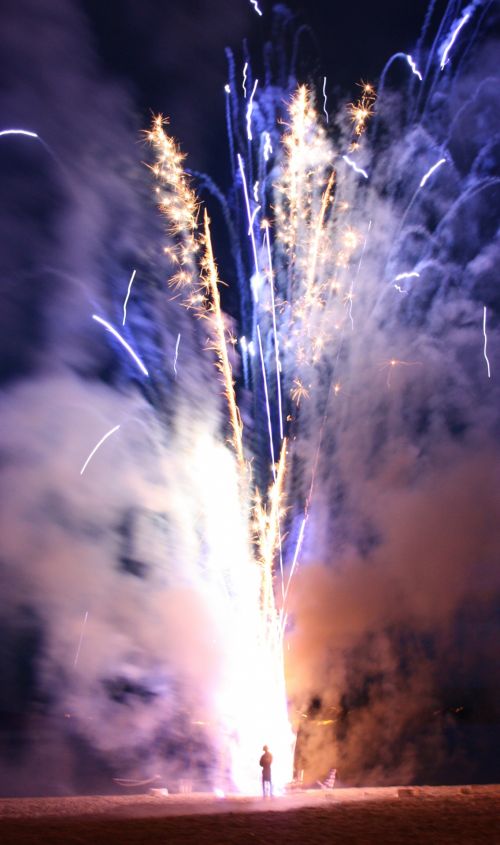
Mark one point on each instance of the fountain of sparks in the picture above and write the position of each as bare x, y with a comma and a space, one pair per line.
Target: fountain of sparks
300, 225
291, 299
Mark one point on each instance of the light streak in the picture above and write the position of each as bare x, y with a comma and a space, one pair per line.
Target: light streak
227, 89
275, 332
299, 391
324, 99
463, 20
127, 297
256, 7
244, 347
313, 258
268, 534
400, 289
355, 167
252, 219
266, 395
250, 222
410, 275
250, 110
212, 281
256, 191
296, 554
244, 83
413, 66
363, 108
268, 147
176, 353
77, 655
485, 343
97, 446
431, 171
123, 342
25, 132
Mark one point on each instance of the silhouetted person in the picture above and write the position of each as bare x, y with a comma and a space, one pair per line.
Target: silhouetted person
265, 762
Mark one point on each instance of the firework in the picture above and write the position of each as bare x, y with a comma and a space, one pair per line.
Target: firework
127, 297
98, 446
109, 328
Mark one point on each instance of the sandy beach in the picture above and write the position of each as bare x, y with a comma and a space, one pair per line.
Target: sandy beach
456, 815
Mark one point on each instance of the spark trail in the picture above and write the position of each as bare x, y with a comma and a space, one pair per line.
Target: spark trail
220, 346
127, 297
307, 222
431, 170
355, 167
486, 343
26, 132
256, 7
98, 446
201, 292
123, 342
80, 641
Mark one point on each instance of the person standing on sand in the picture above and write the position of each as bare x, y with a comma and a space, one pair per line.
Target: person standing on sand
265, 763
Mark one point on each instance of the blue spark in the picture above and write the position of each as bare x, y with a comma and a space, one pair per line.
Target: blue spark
176, 353
463, 20
324, 99
268, 147
96, 447
25, 132
127, 297
355, 167
413, 66
123, 342
431, 171
244, 83
250, 110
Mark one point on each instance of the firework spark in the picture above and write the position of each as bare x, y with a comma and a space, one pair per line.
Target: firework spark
453, 37
250, 111
26, 132
176, 353
413, 66
251, 220
407, 275
256, 7
431, 171
220, 345
244, 82
268, 147
131, 282
98, 446
77, 655
324, 99
486, 343
355, 167
123, 342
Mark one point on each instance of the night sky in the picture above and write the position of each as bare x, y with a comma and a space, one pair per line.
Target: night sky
113, 643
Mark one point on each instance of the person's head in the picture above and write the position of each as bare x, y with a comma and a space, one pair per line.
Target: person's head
265, 748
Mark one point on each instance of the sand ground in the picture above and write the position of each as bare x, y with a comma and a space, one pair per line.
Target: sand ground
414, 816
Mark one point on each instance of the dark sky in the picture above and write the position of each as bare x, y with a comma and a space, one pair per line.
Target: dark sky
171, 55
